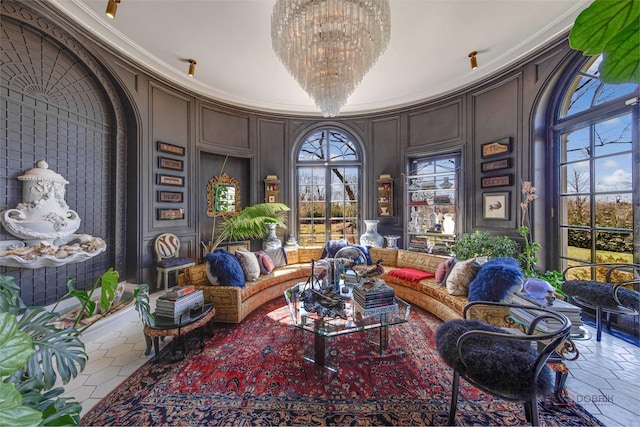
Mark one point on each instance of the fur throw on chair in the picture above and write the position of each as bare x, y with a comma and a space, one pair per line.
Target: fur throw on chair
498, 364
598, 293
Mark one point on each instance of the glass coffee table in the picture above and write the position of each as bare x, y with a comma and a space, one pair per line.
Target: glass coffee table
330, 327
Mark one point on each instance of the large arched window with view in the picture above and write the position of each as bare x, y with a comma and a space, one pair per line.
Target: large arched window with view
328, 167
596, 130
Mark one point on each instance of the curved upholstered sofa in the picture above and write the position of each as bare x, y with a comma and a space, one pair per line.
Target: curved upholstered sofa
233, 304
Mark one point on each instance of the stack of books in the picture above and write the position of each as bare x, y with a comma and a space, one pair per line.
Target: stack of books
174, 305
374, 298
571, 311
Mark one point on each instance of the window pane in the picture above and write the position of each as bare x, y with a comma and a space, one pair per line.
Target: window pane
611, 213
314, 148
341, 148
575, 178
613, 136
583, 91
579, 244
613, 174
578, 210
575, 145
610, 92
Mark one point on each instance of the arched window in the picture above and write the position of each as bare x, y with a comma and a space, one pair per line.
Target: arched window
596, 130
328, 168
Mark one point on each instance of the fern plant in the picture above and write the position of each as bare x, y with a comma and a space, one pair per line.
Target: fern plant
251, 222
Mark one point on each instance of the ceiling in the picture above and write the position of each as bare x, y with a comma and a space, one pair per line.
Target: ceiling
231, 42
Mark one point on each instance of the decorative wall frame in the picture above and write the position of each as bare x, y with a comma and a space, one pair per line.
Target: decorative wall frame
497, 181
170, 196
496, 205
495, 148
177, 181
167, 163
496, 165
223, 196
169, 214
165, 147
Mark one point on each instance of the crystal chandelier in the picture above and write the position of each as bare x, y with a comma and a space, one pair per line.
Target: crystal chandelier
329, 45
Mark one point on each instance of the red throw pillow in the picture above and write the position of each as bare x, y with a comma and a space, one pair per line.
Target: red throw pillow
410, 274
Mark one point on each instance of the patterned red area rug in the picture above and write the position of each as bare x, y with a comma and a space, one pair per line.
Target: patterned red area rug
254, 374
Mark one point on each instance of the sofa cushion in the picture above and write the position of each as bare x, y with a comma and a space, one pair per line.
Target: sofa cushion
278, 256
249, 264
410, 274
443, 270
419, 260
226, 268
461, 275
388, 256
496, 280
332, 247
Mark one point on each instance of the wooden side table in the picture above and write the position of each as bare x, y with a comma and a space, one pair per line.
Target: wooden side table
178, 331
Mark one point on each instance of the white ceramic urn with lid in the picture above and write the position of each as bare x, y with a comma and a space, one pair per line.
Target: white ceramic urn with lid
43, 215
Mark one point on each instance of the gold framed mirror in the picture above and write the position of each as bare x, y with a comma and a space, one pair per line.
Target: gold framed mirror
223, 196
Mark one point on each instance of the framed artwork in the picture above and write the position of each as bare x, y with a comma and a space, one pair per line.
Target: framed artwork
168, 214
165, 147
495, 148
167, 163
271, 199
496, 181
170, 196
495, 205
496, 165
174, 180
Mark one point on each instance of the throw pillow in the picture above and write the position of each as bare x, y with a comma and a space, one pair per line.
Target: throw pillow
213, 279
443, 270
333, 246
461, 275
226, 268
496, 281
410, 274
249, 264
278, 256
265, 262
365, 252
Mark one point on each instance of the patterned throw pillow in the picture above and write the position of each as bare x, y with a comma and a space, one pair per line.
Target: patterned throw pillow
249, 264
461, 275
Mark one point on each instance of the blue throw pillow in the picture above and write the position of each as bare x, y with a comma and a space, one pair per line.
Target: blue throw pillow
496, 281
332, 247
365, 251
226, 267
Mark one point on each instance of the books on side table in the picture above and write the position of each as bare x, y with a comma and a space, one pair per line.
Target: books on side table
571, 311
375, 297
176, 308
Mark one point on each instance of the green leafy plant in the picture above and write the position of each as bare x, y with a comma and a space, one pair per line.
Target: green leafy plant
33, 354
251, 222
108, 284
482, 243
611, 28
142, 305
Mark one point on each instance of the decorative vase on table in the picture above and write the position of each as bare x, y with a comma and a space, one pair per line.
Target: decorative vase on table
271, 241
371, 237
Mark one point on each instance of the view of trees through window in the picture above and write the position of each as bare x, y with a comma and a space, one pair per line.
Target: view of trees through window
596, 131
328, 183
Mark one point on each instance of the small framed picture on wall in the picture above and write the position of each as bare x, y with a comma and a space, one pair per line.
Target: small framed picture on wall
495, 206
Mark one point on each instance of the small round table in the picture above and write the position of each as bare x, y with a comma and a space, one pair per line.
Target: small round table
177, 330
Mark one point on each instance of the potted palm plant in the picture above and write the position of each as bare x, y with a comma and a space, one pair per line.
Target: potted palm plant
250, 223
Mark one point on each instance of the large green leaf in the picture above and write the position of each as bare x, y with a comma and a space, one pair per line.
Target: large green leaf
142, 306
109, 284
616, 67
64, 346
610, 27
12, 412
10, 301
15, 345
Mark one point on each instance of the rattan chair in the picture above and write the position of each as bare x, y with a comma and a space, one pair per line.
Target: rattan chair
617, 294
168, 259
509, 365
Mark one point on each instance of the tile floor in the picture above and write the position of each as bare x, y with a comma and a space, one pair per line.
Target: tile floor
605, 379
